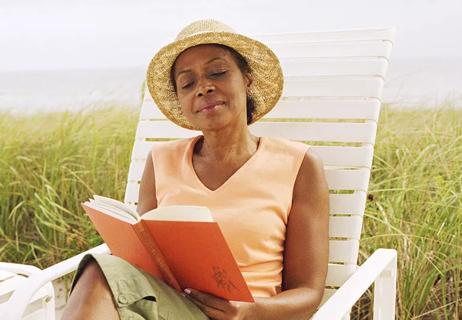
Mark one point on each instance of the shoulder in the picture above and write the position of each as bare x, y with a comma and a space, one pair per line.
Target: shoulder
286, 146
310, 159
311, 176
312, 162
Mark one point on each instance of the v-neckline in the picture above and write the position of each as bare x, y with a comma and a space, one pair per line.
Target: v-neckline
190, 153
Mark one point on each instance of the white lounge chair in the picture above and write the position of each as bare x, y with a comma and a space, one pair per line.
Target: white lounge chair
329, 76
41, 304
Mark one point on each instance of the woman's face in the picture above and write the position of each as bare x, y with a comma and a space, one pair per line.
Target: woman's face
211, 88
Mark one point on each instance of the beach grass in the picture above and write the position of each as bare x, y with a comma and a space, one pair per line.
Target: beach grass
415, 206
49, 163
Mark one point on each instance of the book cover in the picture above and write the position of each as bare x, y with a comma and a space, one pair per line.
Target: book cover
175, 244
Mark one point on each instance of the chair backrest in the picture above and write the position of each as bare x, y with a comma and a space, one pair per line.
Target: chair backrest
331, 99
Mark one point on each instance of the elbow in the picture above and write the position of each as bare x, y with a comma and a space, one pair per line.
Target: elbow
313, 299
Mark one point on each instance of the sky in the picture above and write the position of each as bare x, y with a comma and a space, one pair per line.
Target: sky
42, 35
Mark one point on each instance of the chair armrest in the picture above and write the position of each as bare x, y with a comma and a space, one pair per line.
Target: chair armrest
381, 264
20, 298
22, 269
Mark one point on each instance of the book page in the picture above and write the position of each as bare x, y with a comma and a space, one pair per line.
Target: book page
111, 211
116, 204
179, 213
122, 239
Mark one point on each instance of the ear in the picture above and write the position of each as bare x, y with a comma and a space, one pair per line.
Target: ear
248, 79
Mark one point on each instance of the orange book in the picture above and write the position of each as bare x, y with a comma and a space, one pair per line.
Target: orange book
181, 245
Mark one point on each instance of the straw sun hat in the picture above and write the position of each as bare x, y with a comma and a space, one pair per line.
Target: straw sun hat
267, 78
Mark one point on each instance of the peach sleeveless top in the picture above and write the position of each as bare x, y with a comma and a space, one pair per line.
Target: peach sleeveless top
251, 207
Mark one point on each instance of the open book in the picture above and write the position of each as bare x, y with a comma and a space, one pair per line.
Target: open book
181, 245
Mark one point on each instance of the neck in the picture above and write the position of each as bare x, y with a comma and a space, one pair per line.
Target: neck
222, 145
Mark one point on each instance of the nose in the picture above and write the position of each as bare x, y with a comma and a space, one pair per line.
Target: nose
204, 87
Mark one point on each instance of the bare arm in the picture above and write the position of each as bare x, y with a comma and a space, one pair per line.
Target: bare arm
147, 196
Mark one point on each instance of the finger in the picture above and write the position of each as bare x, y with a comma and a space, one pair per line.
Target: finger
208, 299
207, 310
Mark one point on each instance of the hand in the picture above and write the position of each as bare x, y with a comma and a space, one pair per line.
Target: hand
220, 309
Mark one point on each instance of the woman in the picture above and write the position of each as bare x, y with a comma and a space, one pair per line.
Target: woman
268, 195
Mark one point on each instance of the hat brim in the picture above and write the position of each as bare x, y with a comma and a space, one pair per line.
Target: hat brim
267, 77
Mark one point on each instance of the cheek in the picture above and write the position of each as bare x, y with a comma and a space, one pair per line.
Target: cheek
184, 102
240, 94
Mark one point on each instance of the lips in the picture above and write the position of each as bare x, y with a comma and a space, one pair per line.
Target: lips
209, 106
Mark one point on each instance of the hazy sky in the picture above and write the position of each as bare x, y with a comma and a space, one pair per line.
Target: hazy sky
38, 34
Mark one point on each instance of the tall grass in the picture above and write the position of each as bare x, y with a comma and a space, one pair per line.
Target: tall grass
416, 207
50, 163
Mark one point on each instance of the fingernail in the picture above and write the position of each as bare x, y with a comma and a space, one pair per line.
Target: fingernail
187, 291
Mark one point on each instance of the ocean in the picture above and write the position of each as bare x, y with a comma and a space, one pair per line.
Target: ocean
416, 83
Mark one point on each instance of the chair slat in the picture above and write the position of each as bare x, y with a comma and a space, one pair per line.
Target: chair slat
330, 155
345, 156
132, 192
37, 311
5, 275
305, 108
301, 131
136, 170
344, 251
337, 274
347, 86
353, 203
9, 284
150, 110
333, 35
340, 179
322, 108
372, 48
306, 66
345, 227
317, 131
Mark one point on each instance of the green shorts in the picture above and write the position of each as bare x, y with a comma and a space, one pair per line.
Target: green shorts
138, 295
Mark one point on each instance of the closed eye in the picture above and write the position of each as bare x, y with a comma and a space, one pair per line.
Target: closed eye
218, 73
187, 85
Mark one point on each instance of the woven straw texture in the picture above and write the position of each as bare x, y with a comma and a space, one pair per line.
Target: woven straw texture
267, 83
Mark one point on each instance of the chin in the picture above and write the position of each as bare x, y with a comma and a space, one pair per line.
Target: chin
213, 126
212, 123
